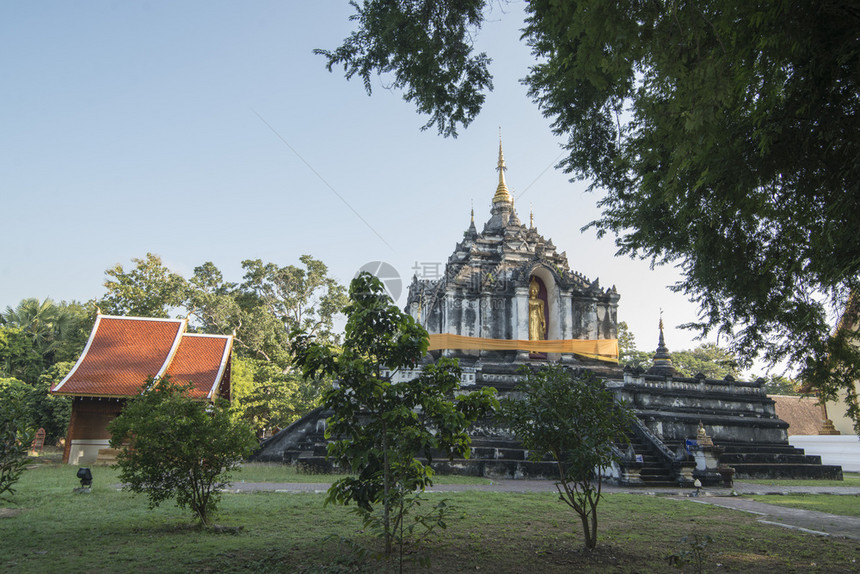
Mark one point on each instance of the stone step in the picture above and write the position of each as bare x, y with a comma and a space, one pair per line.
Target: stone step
320, 449
787, 471
655, 472
768, 458
731, 448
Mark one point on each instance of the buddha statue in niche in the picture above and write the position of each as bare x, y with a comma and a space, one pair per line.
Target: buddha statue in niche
537, 314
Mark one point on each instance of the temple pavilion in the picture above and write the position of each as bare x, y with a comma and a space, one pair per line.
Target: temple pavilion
121, 353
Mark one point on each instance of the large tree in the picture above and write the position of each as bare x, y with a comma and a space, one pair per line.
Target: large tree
149, 289
725, 136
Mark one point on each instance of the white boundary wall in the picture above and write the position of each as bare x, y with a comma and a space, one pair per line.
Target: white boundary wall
843, 450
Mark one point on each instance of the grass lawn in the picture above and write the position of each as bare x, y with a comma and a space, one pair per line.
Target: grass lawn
846, 505
848, 479
51, 529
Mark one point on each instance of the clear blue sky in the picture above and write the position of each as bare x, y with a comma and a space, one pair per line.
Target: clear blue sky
135, 127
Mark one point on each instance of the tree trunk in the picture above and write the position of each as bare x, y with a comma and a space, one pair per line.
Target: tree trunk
386, 502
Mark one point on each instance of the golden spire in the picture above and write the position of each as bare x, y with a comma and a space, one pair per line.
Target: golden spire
502, 193
473, 212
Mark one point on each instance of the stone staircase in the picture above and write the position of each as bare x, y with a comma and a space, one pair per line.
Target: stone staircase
653, 471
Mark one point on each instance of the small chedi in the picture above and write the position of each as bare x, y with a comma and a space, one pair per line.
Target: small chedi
508, 299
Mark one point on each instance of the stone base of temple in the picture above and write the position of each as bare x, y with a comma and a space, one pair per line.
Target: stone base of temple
749, 440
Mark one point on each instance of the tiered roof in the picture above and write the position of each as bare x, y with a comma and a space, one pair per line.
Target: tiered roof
123, 352
502, 255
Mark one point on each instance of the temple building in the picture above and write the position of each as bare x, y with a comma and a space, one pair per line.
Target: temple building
121, 353
507, 295
509, 299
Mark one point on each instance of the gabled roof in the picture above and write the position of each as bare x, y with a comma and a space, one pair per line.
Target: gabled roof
201, 360
123, 352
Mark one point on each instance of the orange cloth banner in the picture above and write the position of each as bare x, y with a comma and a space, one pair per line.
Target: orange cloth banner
603, 349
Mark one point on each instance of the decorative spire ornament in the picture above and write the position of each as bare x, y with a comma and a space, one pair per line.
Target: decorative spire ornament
502, 193
662, 359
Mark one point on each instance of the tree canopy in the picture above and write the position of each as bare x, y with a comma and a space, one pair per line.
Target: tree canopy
261, 313
725, 136
379, 427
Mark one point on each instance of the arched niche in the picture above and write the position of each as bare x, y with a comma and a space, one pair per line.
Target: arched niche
553, 300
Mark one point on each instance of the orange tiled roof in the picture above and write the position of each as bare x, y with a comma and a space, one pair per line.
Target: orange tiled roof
201, 360
123, 351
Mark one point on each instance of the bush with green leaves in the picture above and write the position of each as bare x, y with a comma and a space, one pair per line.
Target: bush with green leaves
380, 427
175, 446
15, 440
572, 417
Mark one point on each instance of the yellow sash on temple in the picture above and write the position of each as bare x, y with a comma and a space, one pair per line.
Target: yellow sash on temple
603, 349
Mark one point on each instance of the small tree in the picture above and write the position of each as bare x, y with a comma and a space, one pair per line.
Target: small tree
174, 446
15, 440
572, 417
379, 427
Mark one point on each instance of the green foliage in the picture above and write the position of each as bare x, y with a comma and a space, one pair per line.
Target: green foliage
35, 335
48, 411
148, 290
37, 408
304, 299
379, 428
780, 385
571, 417
269, 399
709, 359
725, 135
731, 113
427, 47
15, 440
20, 359
176, 447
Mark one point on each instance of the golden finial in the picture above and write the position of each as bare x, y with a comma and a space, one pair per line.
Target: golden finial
473, 211
98, 310
502, 193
